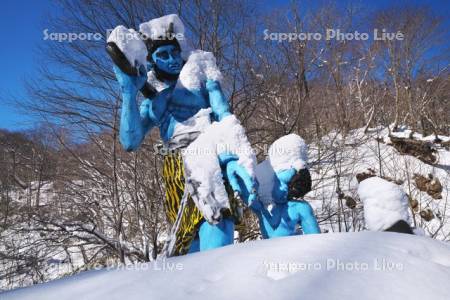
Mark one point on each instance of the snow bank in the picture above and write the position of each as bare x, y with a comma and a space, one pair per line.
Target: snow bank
130, 44
362, 265
384, 203
405, 132
289, 151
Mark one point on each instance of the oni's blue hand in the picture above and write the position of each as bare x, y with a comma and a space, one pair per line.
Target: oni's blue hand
217, 100
238, 177
130, 85
281, 185
225, 158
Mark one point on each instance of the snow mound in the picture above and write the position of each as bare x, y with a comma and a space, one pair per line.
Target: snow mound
130, 44
384, 203
362, 265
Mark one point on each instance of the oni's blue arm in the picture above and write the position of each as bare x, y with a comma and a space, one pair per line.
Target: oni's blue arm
238, 177
146, 114
273, 220
307, 218
217, 100
268, 223
134, 124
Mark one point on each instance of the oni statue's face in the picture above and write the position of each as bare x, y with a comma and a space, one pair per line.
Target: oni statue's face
168, 59
281, 185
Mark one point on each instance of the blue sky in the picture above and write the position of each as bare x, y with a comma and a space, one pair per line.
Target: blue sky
21, 29
21, 25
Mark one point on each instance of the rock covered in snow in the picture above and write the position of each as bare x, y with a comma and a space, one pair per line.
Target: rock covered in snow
384, 203
131, 45
289, 151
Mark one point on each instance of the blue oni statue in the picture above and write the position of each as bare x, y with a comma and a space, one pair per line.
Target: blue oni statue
284, 181
177, 86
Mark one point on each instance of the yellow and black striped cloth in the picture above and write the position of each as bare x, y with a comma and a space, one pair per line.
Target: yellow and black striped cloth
174, 182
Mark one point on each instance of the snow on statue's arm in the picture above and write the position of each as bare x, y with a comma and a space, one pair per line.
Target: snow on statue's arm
234, 151
217, 100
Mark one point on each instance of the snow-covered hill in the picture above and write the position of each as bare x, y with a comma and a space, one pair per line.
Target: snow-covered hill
337, 160
361, 265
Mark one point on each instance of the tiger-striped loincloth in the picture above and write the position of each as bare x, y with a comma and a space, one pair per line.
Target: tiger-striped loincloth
174, 182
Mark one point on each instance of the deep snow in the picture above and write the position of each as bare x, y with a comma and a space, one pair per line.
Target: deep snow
385, 266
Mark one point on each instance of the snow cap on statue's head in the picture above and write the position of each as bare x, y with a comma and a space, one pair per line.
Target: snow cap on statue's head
289, 151
384, 202
166, 30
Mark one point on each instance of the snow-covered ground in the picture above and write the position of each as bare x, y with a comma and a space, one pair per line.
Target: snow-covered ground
361, 265
337, 159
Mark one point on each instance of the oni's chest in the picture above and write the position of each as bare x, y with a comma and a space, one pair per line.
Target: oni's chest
184, 98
